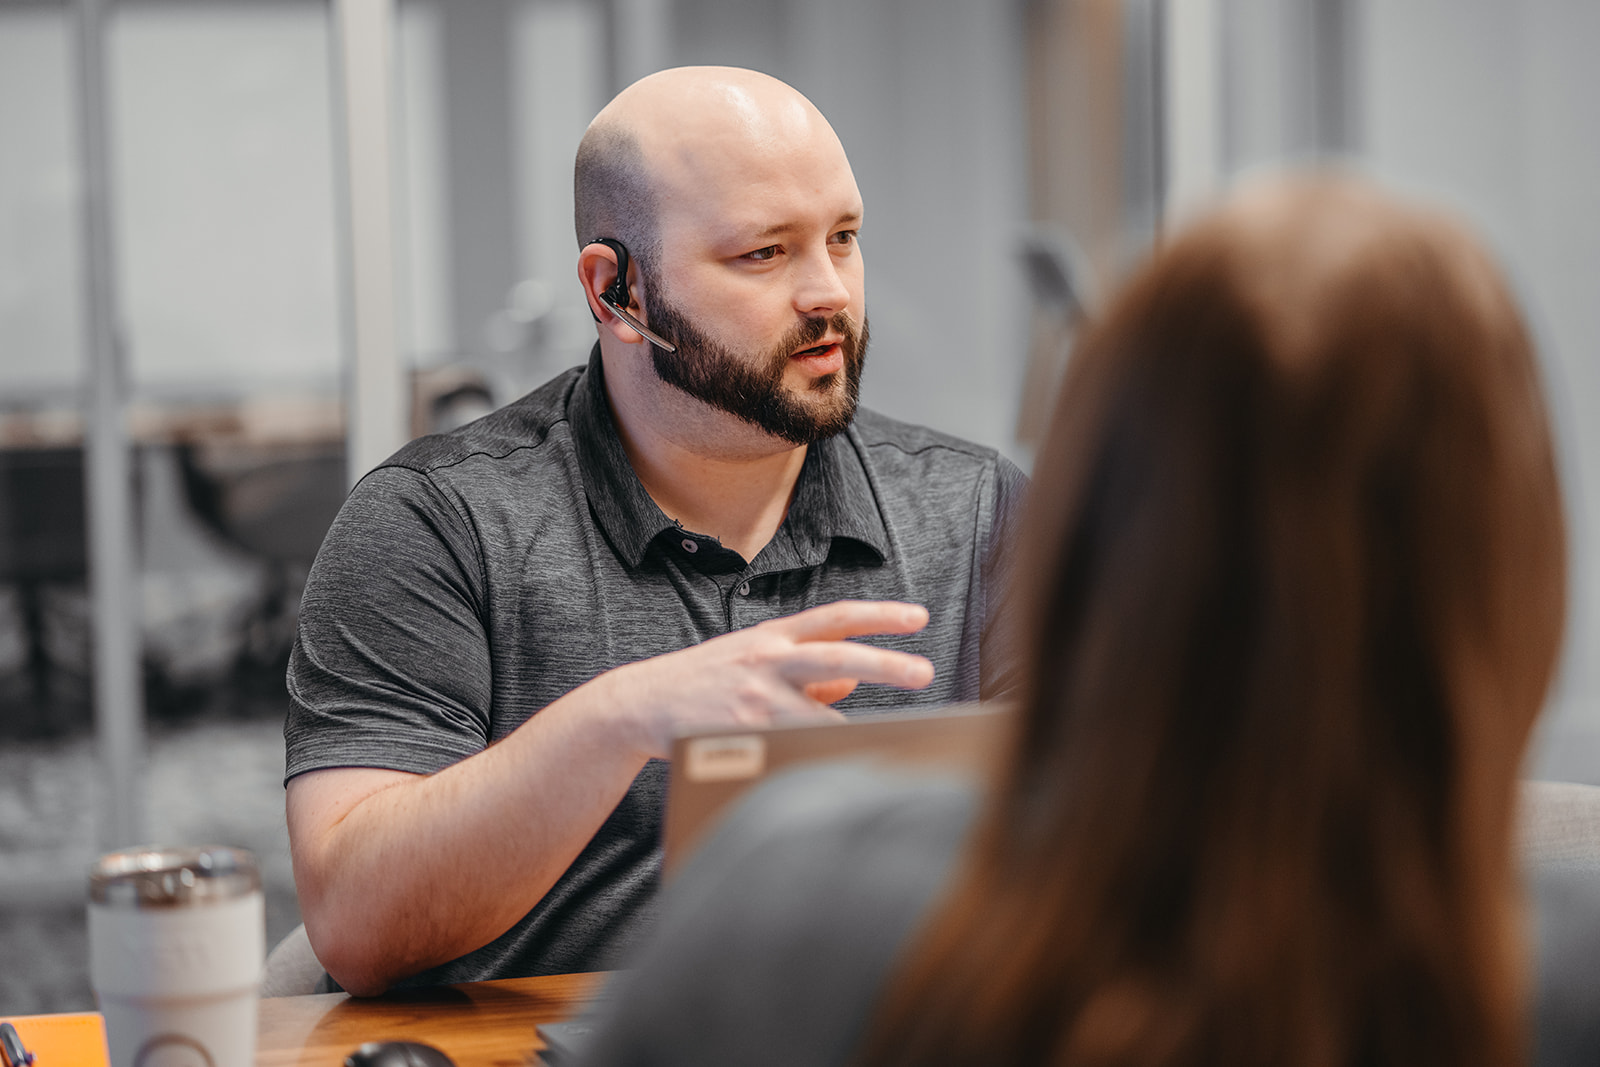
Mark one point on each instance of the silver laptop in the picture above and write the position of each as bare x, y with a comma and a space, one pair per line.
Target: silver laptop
711, 769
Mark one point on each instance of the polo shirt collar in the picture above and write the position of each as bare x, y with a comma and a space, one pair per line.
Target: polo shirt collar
833, 497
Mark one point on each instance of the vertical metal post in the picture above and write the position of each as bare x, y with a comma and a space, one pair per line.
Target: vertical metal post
1335, 37
1320, 77
1144, 177
1193, 110
643, 38
480, 128
117, 686
377, 397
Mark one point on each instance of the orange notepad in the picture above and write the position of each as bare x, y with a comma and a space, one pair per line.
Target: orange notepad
72, 1040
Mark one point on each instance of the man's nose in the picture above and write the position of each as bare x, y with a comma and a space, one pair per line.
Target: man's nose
820, 288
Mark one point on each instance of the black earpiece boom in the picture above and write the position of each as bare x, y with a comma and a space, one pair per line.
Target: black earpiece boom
615, 296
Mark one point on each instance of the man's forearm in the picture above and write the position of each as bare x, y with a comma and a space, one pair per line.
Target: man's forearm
398, 873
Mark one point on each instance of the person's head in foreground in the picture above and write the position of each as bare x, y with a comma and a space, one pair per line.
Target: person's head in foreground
1295, 571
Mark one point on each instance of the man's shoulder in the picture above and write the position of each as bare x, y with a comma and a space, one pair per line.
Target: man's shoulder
877, 430
522, 425
900, 445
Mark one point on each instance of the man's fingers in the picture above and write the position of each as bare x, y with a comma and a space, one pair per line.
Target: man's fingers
831, 692
797, 705
854, 618
830, 661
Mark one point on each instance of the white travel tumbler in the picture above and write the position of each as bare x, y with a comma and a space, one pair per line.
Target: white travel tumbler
177, 937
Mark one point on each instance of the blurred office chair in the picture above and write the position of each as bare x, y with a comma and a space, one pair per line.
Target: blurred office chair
274, 500
1560, 824
1560, 837
292, 969
1061, 290
43, 542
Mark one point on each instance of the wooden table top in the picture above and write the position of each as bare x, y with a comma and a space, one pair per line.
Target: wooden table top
478, 1024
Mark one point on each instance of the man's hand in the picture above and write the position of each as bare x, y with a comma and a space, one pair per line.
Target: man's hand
785, 668
832, 692
378, 851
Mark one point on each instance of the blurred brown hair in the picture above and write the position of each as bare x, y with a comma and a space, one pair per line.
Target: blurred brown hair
1293, 590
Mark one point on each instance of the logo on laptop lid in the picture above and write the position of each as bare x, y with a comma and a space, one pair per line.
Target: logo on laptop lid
725, 759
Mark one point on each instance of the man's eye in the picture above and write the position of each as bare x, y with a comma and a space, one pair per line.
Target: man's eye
846, 237
762, 253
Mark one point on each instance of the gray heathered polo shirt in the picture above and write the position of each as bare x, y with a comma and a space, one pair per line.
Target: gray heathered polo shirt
476, 576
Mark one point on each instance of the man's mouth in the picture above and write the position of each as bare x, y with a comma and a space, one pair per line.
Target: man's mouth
820, 359
826, 347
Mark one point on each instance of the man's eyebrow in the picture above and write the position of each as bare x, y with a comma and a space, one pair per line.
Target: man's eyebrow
852, 218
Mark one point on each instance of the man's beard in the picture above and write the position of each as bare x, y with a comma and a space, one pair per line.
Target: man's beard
752, 388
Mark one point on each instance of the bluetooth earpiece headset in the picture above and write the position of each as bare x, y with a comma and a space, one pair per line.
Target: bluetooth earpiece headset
615, 296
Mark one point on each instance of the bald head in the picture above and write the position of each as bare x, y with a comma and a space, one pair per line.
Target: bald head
667, 139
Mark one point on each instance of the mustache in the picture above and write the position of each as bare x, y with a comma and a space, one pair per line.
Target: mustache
809, 331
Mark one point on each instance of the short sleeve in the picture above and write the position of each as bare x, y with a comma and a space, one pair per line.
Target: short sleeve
390, 666
1001, 652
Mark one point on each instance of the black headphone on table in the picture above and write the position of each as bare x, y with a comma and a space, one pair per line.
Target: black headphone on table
615, 296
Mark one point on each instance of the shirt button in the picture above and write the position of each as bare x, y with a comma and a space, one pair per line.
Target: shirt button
690, 545
744, 590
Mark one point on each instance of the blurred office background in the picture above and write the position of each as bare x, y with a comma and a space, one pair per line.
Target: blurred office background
321, 226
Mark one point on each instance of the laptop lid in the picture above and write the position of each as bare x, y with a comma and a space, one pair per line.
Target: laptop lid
711, 769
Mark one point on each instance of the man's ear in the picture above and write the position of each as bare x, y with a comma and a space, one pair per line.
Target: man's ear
597, 269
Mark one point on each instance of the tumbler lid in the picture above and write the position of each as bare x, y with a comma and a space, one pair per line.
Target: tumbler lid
173, 876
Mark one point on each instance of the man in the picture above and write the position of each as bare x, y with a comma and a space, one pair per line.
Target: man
508, 623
